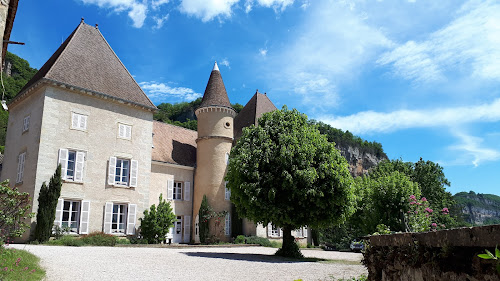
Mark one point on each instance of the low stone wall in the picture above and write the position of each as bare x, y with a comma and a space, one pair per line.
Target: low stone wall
438, 255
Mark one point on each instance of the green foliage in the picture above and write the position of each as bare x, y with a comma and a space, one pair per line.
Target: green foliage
285, 172
66, 240
14, 211
345, 139
58, 231
47, 203
240, 239
382, 229
204, 220
341, 236
258, 240
20, 265
99, 238
182, 114
157, 221
488, 202
490, 256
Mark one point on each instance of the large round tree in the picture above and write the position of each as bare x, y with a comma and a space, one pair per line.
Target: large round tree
285, 172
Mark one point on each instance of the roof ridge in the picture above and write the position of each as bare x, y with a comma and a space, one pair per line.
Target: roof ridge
128, 72
168, 124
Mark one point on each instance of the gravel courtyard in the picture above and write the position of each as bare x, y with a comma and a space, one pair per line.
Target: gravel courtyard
189, 263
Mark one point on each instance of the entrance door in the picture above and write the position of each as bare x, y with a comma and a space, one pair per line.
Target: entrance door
178, 230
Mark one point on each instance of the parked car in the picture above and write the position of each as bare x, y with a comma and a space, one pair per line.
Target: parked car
357, 246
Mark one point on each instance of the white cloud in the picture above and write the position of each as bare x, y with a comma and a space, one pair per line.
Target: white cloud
305, 4
470, 146
225, 63
157, 3
207, 10
331, 45
372, 122
469, 45
160, 21
263, 52
277, 5
161, 91
137, 10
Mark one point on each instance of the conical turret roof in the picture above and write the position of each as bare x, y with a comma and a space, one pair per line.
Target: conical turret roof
85, 60
215, 93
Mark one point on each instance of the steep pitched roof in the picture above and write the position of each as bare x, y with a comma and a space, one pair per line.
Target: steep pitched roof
86, 60
253, 110
215, 93
173, 144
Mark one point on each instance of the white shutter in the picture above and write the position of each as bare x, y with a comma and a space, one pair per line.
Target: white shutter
83, 122
305, 231
227, 192
187, 229
20, 167
170, 189
63, 160
121, 129
227, 158
280, 232
132, 209
108, 216
134, 173
59, 212
187, 191
269, 230
80, 159
74, 121
128, 132
112, 170
227, 226
84, 217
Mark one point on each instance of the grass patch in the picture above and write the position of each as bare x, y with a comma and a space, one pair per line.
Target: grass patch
19, 265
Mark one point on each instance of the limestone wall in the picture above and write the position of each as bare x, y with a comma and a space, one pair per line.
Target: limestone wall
440, 255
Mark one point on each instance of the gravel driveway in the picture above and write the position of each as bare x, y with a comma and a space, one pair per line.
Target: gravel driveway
189, 263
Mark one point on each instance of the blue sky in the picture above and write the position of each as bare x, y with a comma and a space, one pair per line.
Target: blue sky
420, 77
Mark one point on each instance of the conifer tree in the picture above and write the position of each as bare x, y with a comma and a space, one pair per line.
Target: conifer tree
47, 204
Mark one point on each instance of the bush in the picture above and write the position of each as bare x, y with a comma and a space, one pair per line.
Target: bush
66, 240
157, 221
240, 239
13, 212
123, 241
99, 238
258, 240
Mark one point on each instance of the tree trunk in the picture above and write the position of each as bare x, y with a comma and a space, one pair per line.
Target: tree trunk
289, 247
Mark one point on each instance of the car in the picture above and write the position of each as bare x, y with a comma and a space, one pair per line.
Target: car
357, 246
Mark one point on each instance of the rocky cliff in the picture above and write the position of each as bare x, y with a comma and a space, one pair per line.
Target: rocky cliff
479, 209
359, 161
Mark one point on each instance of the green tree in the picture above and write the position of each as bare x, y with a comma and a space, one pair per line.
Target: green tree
286, 172
14, 211
47, 204
205, 213
157, 221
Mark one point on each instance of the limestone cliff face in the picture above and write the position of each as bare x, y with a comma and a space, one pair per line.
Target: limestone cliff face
479, 209
359, 162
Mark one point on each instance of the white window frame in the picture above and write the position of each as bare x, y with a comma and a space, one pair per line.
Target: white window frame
76, 165
83, 214
227, 224
227, 192
78, 121
178, 226
68, 222
116, 172
21, 160
26, 123
177, 191
117, 221
120, 168
124, 131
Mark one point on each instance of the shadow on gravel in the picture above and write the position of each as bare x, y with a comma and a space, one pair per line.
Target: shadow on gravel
251, 257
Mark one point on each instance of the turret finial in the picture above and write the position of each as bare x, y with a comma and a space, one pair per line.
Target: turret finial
82, 20
215, 66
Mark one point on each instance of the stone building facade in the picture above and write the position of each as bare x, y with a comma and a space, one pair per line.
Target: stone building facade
85, 111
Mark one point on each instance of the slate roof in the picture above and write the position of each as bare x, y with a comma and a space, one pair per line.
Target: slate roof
215, 93
173, 144
253, 110
86, 60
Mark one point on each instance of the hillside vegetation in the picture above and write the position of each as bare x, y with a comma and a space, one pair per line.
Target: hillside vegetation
479, 209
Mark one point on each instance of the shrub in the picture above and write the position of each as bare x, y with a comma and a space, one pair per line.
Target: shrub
99, 238
13, 212
157, 221
123, 241
258, 240
47, 203
66, 240
240, 239
204, 213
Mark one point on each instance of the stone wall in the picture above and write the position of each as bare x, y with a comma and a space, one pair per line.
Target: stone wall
439, 255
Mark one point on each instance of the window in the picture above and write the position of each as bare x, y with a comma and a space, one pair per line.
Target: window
73, 214
124, 131
227, 158
227, 192
273, 230
120, 218
123, 172
177, 190
20, 167
78, 121
227, 226
72, 163
26, 123
70, 215
178, 225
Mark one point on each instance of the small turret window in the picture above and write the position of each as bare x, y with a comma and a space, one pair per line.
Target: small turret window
227, 125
